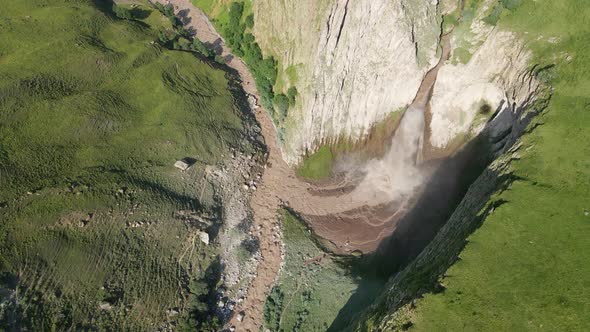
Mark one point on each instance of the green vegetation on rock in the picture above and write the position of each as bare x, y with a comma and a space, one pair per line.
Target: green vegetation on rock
318, 165
235, 22
93, 215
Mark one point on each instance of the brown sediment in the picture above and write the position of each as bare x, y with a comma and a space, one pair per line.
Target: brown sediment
360, 229
349, 222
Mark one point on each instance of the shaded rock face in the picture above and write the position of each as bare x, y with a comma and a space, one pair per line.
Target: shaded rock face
356, 61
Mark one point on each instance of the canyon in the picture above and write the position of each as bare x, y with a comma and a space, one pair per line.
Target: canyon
294, 165
372, 59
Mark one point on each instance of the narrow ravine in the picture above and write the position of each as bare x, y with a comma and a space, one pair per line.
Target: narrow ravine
337, 218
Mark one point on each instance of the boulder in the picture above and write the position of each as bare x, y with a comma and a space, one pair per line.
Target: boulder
204, 236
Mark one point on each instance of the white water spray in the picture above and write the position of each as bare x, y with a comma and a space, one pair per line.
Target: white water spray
396, 175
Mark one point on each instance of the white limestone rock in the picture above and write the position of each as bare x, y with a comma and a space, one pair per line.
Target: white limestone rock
493, 75
366, 60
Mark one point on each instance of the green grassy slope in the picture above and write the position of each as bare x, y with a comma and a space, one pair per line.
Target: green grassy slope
93, 115
312, 287
318, 165
527, 267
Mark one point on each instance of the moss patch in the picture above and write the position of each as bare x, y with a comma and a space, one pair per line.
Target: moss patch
318, 165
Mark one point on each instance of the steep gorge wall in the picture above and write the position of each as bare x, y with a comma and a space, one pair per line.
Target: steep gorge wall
393, 309
495, 75
355, 62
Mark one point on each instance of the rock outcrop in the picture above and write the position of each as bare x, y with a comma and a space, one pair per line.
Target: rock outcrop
494, 80
355, 62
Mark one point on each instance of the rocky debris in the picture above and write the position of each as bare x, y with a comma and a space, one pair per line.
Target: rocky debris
233, 185
252, 185
86, 220
139, 223
240, 316
198, 219
227, 305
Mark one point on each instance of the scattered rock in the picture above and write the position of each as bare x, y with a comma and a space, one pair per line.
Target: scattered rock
253, 102
240, 316
357, 253
181, 165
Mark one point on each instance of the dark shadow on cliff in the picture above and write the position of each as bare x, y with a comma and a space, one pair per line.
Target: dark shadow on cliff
442, 194
431, 235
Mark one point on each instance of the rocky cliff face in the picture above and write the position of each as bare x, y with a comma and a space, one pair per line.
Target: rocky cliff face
494, 80
354, 62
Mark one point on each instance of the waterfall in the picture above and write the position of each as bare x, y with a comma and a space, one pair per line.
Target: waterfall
396, 174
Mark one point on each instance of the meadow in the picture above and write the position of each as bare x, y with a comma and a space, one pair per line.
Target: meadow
313, 285
97, 227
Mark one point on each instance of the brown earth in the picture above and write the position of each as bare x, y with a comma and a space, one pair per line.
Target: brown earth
335, 212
